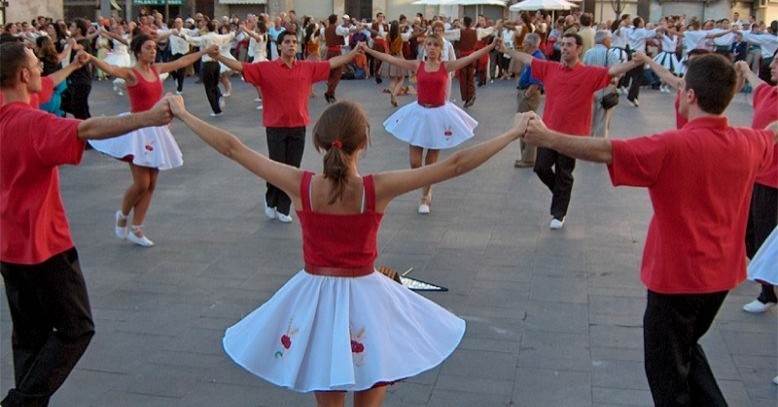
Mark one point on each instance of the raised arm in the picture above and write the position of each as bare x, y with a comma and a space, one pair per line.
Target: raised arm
465, 61
59, 76
744, 71
665, 75
388, 185
213, 52
282, 175
522, 57
186, 60
623, 67
113, 36
69, 46
410, 65
593, 149
113, 70
343, 59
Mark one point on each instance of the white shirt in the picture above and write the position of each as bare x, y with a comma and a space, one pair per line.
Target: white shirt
206, 40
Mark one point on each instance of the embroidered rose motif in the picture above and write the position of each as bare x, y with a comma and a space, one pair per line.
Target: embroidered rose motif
286, 340
357, 347
149, 147
447, 132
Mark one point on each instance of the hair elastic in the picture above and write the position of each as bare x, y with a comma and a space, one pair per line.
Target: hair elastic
336, 144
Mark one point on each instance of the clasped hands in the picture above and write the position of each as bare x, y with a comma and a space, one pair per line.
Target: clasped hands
529, 127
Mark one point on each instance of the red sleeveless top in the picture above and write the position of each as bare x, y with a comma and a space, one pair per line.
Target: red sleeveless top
432, 85
144, 94
339, 240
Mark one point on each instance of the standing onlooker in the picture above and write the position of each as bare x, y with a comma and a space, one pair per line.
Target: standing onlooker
601, 55
688, 274
44, 285
570, 87
529, 95
763, 212
286, 88
586, 32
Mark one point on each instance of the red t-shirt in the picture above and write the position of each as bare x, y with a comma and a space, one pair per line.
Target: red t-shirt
699, 179
44, 96
569, 94
766, 112
285, 90
680, 120
33, 225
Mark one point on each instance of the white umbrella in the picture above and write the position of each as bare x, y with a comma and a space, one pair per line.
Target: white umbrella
433, 2
528, 5
479, 2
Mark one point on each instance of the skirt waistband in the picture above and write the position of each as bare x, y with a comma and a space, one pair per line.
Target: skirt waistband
339, 271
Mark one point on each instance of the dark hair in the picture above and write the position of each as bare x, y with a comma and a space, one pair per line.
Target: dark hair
136, 45
311, 32
585, 20
46, 49
712, 78
578, 39
12, 58
346, 125
282, 34
211, 25
332, 19
394, 30
82, 25
467, 20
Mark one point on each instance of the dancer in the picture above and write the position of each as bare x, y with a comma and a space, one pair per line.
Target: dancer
119, 56
211, 68
762, 268
335, 38
447, 52
286, 85
312, 46
432, 122
224, 71
338, 325
763, 212
394, 72
147, 150
667, 57
44, 285
688, 274
258, 49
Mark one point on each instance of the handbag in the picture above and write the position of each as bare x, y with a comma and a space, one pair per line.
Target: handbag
610, 99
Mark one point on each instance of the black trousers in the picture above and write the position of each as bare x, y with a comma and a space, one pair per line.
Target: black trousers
676, 367
80, 100
556, 171
636, 79
286, 145
762, 219
211, 83
52, 325
179, 74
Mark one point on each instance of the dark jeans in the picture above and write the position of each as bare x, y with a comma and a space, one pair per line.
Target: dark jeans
80, 100
762, 219
556, 171
467, 81
52, 325
676, 368
179, 74
334, 79
286, 145
211, 83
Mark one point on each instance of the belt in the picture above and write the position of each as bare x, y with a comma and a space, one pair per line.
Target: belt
339, 271
429, 106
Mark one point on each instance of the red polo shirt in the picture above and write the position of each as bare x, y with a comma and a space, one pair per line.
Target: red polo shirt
766, 112
285, 90
699, 179
569, 94
33, 143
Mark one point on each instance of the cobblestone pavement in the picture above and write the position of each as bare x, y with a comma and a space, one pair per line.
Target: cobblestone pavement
554, 317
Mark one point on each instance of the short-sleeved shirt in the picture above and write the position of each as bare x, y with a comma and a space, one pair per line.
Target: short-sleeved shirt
699, 179
766, 112
569, 94
33, 143
285, 89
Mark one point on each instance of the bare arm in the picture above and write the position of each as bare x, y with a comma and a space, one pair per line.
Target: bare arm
623, 67
744, 71
522, 57
391, 184
410, 65
284, 176
117, 71
66, 52
597, 150
213, 52
59, 76
186, 60
98, 128
343, 59
463, 62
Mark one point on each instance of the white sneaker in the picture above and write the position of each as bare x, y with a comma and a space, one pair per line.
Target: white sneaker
556, 224
259, 107
120, 231
270, 213
257, 100
283, 218
216, 114
226, 95
775, 379
757, 307
424, 209
179, 93
141, 240
222, 102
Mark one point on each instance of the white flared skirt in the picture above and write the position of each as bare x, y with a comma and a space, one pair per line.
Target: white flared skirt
763, 268
152, 147
224, 68
321, 333
668, 60
437, 128
119, 59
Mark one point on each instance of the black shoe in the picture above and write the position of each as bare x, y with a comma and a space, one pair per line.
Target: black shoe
329, 98
378, 80
469, 102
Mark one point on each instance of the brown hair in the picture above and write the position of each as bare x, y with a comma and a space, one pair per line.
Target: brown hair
434, 38
13, 57
713, 78
342, 129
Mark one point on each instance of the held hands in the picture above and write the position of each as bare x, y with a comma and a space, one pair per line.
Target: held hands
741, 67
82, 57
536, 133
176, 102
160, 114
639, 57
212, 51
